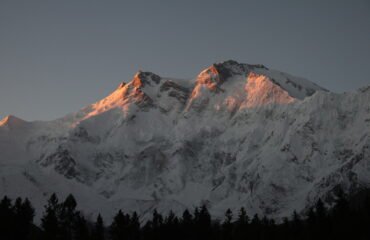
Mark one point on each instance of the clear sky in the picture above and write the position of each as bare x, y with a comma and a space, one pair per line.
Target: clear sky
58, 56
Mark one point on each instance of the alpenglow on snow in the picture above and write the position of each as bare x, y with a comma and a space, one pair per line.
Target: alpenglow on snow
238, 135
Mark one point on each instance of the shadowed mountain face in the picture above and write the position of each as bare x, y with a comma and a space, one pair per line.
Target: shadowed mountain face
237, 135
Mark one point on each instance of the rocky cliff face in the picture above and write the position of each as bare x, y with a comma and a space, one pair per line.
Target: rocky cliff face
237, 135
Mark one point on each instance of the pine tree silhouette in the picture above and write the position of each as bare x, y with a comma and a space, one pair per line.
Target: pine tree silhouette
204, 223
117, 228
170, 226
227, 225
241, 225
6, 218
98, 232
348, 219
255, 227
134, 226
80, 229
186, 225
67, 217
50, 222
23, 217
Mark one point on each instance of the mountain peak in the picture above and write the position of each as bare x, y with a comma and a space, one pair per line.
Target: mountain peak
225, 85
141, 79
232, 67
227, 63
229, 68
145, 78
11, 120
240, 85
121, 85
218, 73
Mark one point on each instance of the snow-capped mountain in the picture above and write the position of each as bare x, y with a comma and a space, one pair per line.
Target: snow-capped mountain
237, 135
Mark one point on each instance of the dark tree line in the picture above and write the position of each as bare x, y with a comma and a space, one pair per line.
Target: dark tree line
16, 219
347, 219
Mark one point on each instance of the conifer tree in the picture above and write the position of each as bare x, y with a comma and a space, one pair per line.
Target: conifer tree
204, 223
134, 226
204, 217
170, 226
171, 218
50, 222
186, 224
241, 224
117, 226
187, 218
23, 218
6, 218
98, 232
255, 227
157, 220
67, 217
80, 229
242, 217
227, 226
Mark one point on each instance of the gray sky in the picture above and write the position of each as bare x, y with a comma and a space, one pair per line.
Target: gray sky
58, 56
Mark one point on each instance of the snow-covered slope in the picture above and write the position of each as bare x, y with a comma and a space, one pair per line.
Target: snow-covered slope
237, 135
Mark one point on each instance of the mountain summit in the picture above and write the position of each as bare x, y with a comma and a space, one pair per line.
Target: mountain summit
227, 85
236, 135
11, 122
